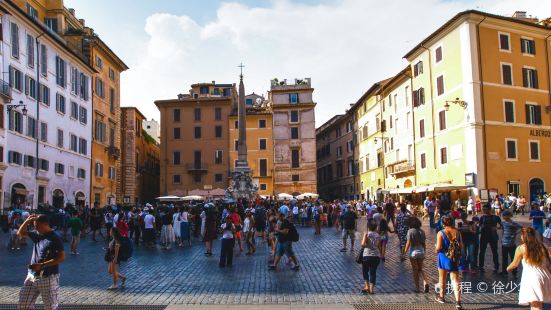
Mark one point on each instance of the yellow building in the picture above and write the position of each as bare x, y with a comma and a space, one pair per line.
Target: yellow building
260, 147
106, 163
369, 117
482, 106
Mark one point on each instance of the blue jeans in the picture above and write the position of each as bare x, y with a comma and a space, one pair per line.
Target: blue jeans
369, 268
469, 255
431, 220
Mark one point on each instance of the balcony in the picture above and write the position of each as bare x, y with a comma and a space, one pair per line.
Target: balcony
197, 167
5, 90
402, 168
114, 152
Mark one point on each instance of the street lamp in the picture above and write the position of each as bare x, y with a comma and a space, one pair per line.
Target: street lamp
10, 107
461, 103
382, 139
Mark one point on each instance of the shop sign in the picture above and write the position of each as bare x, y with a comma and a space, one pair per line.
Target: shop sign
540, 133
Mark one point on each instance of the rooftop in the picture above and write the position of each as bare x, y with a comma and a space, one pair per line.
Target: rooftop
305, 83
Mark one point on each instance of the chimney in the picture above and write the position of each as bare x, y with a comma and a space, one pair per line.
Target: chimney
521, 15
72, 11
83, 22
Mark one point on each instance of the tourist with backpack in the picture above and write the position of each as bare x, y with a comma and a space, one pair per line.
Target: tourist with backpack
286, 234
112, 257
449, 250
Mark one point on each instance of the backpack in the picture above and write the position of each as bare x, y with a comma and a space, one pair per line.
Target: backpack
126, 249
293, 233
454, 251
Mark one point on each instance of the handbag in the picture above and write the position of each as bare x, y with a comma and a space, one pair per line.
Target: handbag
360, 257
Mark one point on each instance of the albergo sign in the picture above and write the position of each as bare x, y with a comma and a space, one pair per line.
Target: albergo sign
540, 133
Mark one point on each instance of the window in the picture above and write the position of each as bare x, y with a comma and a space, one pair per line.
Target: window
423, 161
418, 68
60, 103
82, 146
218, 157
44, 94
30, 87
217, 114
504, 42
263, 186
529, 78
294, 132
533, 114
511, 146
348, 127
236, 145
442, 120
100, 88
295, 178
513, 187
528, 46
15, 158
112, 173
419, 97
98, 171
112, 134
43, 132
176, 133
365, 132
176, 115
111, 74
75, 83
60, 71
32, 128
176, 179
43, 59
506, 74
218, 178
295, 159
262, 144
84, 91
176, 157
249, 101
293, 98
30, 51
261, 123
440, 85
236, 124
60, 143
81, 173
197, 114
59, 168
443, 156
218, 131
43, 164
14, 29
16, 121
534, 150
339, 151
197, 133
204, 90
112, 99
294, 116
16, 79
509, 107
74, 110
100, 133
83, 114
197, 178
32, 12
438, 54
390, 122
263, 167
74, 143
28, 161
99, 62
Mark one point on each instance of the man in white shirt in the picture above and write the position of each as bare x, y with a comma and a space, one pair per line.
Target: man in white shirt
295, 214
149, 233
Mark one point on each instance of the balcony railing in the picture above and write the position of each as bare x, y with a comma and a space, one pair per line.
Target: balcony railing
197, 167
114, 152
5, 89
403, 167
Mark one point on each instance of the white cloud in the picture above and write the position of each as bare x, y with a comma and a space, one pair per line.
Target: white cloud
344, 46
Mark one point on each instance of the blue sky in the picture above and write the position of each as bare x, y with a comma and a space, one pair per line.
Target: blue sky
343, 45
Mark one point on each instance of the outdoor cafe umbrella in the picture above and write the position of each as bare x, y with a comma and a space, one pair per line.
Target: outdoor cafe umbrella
307, 195
168, 198
284, 196
192, 197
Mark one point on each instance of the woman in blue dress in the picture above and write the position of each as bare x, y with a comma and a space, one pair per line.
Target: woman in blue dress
449, 261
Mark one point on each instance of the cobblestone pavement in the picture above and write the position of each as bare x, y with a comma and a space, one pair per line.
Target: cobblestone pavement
186, 276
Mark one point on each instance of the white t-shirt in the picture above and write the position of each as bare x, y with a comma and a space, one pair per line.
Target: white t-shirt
246, 225
149, 221
226, 233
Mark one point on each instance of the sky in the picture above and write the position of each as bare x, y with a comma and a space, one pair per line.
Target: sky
344, 46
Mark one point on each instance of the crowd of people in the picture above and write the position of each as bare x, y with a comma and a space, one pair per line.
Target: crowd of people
464, 232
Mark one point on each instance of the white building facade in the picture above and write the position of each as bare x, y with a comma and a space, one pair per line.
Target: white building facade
48, 150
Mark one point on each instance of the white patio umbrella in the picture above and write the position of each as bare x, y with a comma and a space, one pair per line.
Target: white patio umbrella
193, 197
307, 195
168, 198
284, 196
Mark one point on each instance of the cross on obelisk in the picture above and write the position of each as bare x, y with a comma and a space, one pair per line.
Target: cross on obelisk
241, 66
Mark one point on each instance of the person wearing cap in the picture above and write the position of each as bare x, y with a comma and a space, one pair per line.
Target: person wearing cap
43, 274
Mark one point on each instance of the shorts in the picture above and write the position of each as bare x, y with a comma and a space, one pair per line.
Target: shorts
260, 226
348, 232
76, 238
286, 248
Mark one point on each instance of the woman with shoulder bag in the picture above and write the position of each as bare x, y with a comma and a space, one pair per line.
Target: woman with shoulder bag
415, 249
371, 245
112, 257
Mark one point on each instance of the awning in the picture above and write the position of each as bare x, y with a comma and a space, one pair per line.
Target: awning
407, 190
440, 187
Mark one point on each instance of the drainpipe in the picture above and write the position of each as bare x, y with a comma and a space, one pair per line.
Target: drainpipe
431, 107
37, 167
484, 146
548, 74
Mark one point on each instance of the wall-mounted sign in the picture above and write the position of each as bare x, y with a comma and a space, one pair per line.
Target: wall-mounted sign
126, 199
470, 179
540, 133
